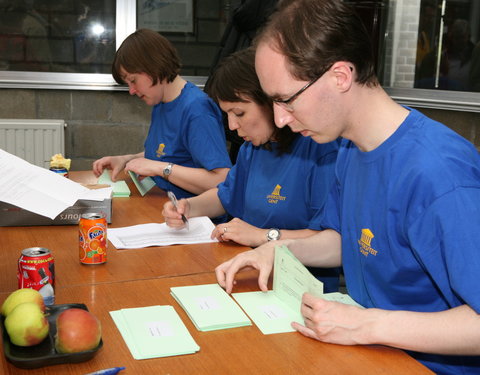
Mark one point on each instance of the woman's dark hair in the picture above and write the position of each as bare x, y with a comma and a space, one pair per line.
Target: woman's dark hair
314, 34
235, 80
146, 51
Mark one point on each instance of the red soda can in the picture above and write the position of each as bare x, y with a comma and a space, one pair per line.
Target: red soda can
36, 270
92, 230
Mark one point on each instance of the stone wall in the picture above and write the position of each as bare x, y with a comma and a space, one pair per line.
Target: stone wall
103, 123
98, 123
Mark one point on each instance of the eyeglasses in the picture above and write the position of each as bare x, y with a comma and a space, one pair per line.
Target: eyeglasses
287, 103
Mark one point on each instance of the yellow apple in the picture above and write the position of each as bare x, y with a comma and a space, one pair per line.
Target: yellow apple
26, 324
77, 330
20, 296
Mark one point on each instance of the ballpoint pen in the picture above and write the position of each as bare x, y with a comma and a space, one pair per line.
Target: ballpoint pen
107, 371
174, 201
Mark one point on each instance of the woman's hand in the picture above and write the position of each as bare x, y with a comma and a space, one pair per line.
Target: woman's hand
115, 163
173, 216
241, 232
145, 167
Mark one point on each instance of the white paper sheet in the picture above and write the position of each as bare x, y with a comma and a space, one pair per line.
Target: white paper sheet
39, 190
153, 234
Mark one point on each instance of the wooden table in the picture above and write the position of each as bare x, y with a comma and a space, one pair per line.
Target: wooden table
143, 277
122, 265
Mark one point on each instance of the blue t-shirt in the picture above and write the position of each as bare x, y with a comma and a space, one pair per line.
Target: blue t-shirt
409, 216
187, 131
286, 191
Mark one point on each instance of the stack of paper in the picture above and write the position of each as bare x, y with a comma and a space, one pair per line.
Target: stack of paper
120, 188
39, 190
210, 307
143, 185
154, 331
275, 310
153, 234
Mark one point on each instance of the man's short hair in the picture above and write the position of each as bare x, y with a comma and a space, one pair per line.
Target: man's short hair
314, 34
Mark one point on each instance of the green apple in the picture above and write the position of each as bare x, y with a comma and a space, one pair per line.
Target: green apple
20, 296
26, 324
77, 330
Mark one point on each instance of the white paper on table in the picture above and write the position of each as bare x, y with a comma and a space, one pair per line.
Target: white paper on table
153, 234
37, 189
97, 194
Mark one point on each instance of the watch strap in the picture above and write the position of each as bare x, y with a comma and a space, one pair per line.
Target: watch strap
167, 171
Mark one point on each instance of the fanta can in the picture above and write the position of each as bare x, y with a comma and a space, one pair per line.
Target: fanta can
93, 238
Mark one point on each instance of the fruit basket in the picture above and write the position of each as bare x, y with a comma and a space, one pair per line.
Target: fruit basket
44, 354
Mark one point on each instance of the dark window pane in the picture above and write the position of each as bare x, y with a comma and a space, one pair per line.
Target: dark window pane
431, 44
195, 28
57, 36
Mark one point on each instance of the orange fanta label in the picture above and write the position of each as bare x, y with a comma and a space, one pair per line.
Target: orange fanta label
93, 238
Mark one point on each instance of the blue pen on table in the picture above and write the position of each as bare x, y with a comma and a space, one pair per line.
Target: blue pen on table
107, 371
174, 201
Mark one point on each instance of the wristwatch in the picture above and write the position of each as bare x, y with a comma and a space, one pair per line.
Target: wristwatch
273, 234
167, 171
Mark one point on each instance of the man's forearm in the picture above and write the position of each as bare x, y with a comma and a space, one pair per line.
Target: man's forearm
450, 332
323, 249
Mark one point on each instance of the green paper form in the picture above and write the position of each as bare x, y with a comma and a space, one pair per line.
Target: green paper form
120, 188
143, 185
210, 307
275, 310
154, 331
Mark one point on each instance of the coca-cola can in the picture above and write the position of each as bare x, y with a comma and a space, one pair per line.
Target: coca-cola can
36, 270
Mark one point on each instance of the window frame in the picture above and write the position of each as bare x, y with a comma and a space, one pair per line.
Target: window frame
126, 18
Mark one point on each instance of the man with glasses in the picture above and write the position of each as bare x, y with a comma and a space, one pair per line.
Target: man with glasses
404, 216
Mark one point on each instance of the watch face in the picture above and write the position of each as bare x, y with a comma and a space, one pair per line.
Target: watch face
273, 234
167, 170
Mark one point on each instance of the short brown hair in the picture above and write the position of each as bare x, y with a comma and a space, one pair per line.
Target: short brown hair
235, 80
314, 34
146, 51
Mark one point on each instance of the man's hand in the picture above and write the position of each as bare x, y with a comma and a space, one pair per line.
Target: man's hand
334, 322
261, 259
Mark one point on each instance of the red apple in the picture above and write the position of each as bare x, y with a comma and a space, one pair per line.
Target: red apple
77, 330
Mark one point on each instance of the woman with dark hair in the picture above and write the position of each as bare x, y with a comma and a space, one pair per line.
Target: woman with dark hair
185, 150
279, 184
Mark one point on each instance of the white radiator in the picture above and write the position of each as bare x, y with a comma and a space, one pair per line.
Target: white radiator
35, 141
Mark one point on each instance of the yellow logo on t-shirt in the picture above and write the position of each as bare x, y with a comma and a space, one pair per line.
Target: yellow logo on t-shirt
160, 149
275, 196
365, 243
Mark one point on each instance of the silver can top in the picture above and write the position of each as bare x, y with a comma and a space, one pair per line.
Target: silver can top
93, 216
35, 251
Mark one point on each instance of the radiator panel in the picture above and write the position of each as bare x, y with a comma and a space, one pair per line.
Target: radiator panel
33, 140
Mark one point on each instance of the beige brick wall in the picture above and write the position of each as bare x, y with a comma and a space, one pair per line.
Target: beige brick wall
113, 123
98, 123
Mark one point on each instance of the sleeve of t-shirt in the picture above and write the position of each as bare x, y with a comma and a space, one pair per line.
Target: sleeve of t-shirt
331, 217
231, 192
321, 180
446, 240
205, 139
